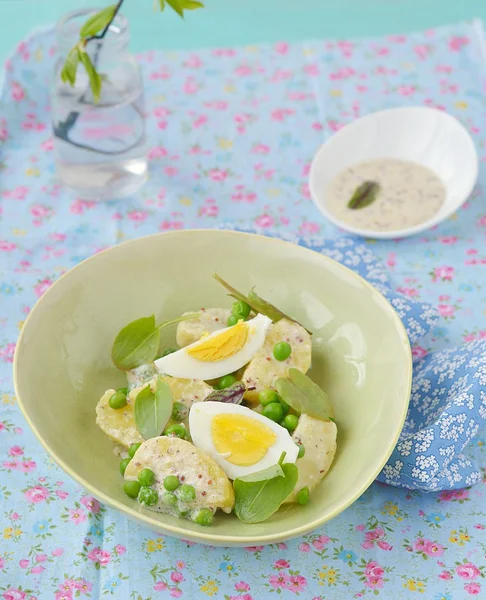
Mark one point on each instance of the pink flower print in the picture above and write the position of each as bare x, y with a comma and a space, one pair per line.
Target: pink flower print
468, 571
16, 451
422, 51
137, 215
304, 547
171, 171
242, 586
418, 352
420, 544
281, 47
446, 495
176, 577
373, 582
39, 211
7, 246
281, 564
27, 466
79, 206
320, 542
384, 545
312, 70
157, 152
17, 92
48, 145
194, 62
410, 292
264, 221
406, 90
209, 209
373, 569
37, 569
91, 504
448, 240
461, 494
14, 594
63, 595
190, 86
175, 592
160, 586
434, 549
58, 237
216, 105
456, 43
446, 310
281, 75
317, 126
472, 588
254, 548
444, 273
334, 125
280, 114
120, 550
57, 552
23, 563
84, 586
37, 494
297, 583
260, 149
346, 48
218, 174
165, 225
243, 70
282, 546
445, 575
42, 286
470, 337
310, 227
161, 111
62, 494
77, 516
279, 581
360, 527
200, 121
40, 558
97, 555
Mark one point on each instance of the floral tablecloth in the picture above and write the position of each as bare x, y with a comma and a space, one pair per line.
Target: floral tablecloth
232, 133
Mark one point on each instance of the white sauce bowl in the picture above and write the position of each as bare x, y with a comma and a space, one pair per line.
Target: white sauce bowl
427, 136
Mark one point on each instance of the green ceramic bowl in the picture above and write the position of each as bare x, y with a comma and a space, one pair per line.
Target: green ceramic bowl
361, 356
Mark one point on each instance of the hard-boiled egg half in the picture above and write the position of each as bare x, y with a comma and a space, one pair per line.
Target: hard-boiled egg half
220, 353
240, 440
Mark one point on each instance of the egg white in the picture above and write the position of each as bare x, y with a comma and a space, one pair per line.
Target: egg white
181, 364
200, 418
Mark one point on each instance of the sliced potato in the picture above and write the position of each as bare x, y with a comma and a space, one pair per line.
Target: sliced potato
140, 375
173, 456
319, 440
207, 321
263, 369
119, 423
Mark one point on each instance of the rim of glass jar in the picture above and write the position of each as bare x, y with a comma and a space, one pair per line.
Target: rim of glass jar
117, 37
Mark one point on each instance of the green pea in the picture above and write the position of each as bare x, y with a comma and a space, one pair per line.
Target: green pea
273, 411
290, 422
133, 448
203, 517
267, 396
226, 381
118, 400
147, 496
241, 308
146, 477
187, 493
131, 488
169, 351
232, 320
303, 495
176, 430
179, 411
301, 451
171, 483
282, 351
123, 391
285, 406
124, 465
169, 498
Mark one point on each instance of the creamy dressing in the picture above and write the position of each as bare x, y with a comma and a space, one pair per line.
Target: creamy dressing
409, 195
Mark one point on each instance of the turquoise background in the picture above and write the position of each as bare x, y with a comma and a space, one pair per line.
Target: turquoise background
233, 22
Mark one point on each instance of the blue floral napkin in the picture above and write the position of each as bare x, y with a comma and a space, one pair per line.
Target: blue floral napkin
448, 401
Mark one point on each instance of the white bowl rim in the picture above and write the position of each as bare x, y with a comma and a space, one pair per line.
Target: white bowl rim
409, 231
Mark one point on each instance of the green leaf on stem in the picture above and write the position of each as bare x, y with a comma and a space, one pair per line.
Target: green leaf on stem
93, 75
98, 21
364, 195
68, 73
152, 411
181, 5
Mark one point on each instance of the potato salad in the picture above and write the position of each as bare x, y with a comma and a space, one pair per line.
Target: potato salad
227, 420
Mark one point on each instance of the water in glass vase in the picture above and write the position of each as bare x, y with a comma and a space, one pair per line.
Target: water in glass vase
101, 147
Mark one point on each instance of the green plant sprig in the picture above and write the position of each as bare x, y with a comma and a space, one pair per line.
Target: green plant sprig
95, 28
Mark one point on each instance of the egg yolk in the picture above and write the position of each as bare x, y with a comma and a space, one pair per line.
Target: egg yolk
221, 346
241, 440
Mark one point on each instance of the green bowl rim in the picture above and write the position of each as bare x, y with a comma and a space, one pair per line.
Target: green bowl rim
205, 537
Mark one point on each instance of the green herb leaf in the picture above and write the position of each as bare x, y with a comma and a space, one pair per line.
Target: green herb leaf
364, 195
268, 473
232, 394
152, 411
94, 76
304, 396
181, 5
69, 70
98, 21
256, 501
136, 344
257, 303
